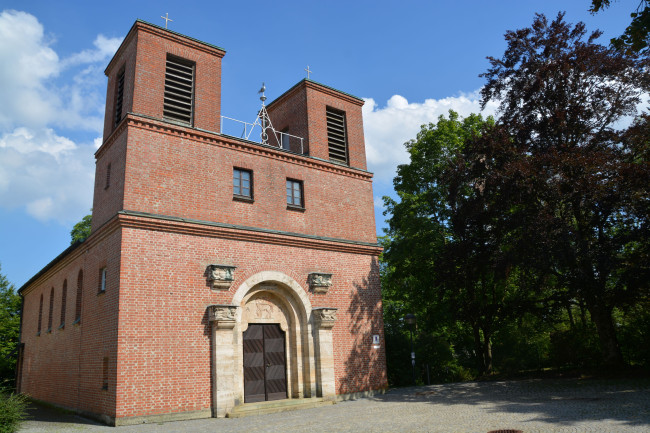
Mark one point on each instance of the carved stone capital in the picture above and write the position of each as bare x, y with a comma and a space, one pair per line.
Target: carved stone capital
324, 317
221, 276
223, 316
320, 282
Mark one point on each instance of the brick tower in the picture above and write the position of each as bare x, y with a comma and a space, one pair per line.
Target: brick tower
220, 271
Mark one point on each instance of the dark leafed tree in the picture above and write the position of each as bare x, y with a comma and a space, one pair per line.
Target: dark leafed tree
636, 37
575, 184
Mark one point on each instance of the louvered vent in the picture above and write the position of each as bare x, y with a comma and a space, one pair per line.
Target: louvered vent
119, 97
179, 90
336, 136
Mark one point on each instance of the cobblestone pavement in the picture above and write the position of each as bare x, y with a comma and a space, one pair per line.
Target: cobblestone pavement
534, 406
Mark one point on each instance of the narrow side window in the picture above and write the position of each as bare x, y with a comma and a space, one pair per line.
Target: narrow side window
40, 316
49, 317
80, 283
102, 280
64, 295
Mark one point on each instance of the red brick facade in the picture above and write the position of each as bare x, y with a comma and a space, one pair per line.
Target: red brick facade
166, 213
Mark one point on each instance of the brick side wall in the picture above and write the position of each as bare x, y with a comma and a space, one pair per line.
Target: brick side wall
302, 109
164, 357
317, 101
291, 113
108, 201
150, 78
124, 58
178, 176
65, 366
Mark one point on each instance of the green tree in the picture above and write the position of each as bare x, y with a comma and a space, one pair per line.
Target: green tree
636, 37
574, 185
444, 254
10, 304
81, 230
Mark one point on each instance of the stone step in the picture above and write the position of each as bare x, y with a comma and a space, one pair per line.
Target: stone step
275, 406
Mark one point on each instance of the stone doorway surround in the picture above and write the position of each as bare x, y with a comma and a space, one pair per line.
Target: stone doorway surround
272, 297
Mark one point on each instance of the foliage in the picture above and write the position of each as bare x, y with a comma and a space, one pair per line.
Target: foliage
576, 186
523, 244
81, 230
12, 411
637, 35
10, 304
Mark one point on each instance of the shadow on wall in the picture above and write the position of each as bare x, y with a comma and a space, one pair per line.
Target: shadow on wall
365, 367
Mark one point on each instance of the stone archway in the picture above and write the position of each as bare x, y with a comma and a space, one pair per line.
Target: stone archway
272, 297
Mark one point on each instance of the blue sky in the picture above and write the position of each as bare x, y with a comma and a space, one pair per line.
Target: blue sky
410, 60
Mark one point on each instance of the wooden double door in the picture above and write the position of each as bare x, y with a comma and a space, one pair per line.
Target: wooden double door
265, 367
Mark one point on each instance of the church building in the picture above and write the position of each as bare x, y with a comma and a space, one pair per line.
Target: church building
221, 271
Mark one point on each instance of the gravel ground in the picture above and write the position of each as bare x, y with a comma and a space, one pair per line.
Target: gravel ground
533, 406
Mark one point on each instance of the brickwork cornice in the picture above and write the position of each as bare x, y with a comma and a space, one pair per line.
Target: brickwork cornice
309, 84
214, 139
144, 221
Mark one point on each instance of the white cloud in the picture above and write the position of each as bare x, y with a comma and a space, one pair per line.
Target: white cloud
387, 128
43, 170
104, 49
48, 175
29, 72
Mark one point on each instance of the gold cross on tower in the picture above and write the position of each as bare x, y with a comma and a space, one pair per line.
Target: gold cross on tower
167, 20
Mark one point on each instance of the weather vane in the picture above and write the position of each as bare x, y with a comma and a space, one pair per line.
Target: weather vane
167, 20
308, 72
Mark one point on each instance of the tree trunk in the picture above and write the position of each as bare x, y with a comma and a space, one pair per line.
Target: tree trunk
478, 348
487, 353
609, 347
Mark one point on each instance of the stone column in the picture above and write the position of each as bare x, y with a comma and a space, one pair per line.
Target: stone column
223, 319
324, 319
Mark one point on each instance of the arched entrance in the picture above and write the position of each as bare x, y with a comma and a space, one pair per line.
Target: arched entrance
271, 298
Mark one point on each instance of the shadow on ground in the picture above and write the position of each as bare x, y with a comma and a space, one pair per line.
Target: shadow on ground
558, 401
41, 413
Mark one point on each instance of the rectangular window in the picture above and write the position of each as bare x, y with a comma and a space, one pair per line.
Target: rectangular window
294, 193
179, 90
336, 135
119, 96
102, 280
242, 183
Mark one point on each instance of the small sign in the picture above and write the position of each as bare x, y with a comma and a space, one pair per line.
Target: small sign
412, 355
375, 339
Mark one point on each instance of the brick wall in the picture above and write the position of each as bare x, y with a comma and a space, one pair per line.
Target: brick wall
64, 366
302, 110
164, 356
171, 172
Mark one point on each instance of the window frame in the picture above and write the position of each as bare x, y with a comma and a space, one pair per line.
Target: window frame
291, 204
337, 145
242, 197
169, 112
103, 276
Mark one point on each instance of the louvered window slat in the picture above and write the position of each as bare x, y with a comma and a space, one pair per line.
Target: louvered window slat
179, 91
119, 97
336, 135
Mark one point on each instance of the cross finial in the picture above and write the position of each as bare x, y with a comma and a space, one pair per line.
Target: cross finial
167, 19
308, 72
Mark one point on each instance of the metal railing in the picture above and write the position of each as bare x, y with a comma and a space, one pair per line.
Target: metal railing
244, 130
